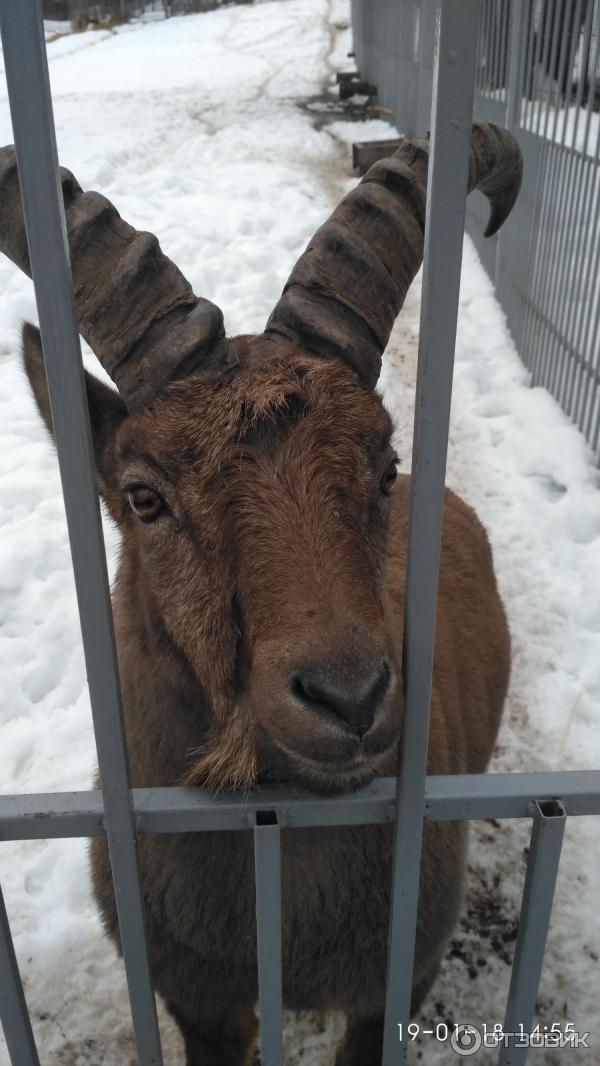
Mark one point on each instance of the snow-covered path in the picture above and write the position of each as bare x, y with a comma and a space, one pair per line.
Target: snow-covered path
192, 127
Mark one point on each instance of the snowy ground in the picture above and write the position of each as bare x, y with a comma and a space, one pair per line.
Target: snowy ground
193, 127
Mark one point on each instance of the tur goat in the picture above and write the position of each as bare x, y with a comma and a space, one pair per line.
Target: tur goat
258, 604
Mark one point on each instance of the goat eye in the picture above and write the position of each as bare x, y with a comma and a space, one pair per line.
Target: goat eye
146, 503
389, 478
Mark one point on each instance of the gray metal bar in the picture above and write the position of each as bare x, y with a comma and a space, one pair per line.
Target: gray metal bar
593, 430
560, 289
540, 881
517, 34
14, 1015
50, 815
589, 257
31, 109
466, 797
518, 38
180, 810
546, 259
452, 797
503, 58
484, 70
495, 42
545, 191
267, 867
454, 78
522, 259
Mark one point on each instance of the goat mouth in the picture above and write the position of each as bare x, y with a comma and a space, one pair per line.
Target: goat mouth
324, 777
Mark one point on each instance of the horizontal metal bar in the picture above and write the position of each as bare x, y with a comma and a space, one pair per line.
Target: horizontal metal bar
453, 797
49, 815
456, 797
14, 1015
549, 822
158, 810
267, 870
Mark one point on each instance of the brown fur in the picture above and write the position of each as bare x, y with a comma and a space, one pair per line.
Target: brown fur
280, 550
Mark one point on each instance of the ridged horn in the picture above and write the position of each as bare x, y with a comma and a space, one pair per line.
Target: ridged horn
343, 295
135, 308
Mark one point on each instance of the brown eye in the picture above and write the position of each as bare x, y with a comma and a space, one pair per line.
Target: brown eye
389, 478
146, 503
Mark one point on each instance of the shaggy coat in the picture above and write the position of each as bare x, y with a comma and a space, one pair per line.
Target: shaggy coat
280, 546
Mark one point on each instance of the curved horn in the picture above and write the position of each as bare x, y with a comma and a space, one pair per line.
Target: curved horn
345, 292
136, 310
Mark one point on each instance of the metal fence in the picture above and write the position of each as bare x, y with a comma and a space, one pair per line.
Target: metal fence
123, 813
538, 74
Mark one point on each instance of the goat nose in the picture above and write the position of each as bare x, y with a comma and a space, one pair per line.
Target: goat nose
354, 696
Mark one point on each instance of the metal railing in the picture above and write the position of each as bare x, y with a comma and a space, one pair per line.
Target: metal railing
122, 813
538, 74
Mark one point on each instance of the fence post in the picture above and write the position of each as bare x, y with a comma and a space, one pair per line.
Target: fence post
517, 40
549, 822
424, 69
519, 21
14, 1015
28, 86
267, 872
454, 78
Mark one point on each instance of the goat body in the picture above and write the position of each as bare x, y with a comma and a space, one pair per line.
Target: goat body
199, 889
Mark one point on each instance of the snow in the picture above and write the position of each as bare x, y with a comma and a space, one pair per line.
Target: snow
193, 127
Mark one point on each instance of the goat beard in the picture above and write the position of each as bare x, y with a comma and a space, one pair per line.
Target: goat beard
228, 758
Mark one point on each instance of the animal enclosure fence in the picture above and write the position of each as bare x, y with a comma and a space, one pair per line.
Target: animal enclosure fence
537, 74
123, 813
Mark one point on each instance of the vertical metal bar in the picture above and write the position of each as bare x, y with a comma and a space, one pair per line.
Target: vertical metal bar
484, 15
592, 432
508, 269
536, 330
31, 110
454, 76
424, 70
267, 874
548, 231
563, 294
549, 822
517, 37
504, 45
526, 231
547, 43
497, 13
528, 72
14, 1015
586, 246
517, 41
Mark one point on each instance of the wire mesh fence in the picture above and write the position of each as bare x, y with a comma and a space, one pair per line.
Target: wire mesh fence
538, 74
123, 813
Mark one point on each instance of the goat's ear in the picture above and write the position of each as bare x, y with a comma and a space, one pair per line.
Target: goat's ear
106, 408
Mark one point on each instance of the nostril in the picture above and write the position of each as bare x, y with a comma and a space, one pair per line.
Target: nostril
310, 690
298, 688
